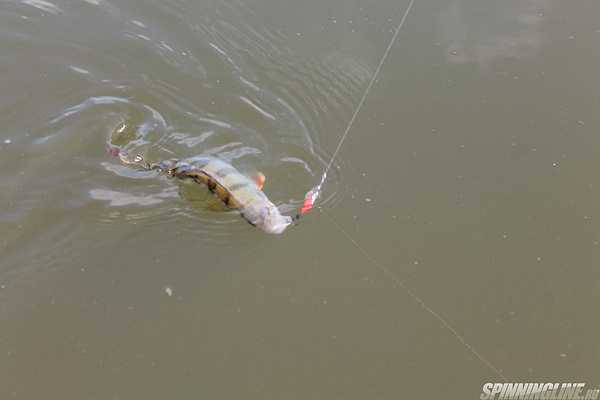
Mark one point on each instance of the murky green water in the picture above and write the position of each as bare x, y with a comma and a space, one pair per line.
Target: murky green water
471, 174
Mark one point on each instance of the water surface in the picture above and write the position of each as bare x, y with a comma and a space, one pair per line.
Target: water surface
470, 174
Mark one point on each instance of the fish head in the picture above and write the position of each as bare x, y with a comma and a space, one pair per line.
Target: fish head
270, 220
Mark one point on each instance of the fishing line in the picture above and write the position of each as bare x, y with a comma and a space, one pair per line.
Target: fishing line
316, 191
312, 196
386, 271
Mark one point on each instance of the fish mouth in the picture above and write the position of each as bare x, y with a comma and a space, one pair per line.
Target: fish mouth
277, 227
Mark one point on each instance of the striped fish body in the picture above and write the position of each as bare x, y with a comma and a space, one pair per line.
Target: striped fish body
234, 189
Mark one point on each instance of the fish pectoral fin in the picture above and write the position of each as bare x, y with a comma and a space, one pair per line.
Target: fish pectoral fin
200, 197
214, 204
259, 179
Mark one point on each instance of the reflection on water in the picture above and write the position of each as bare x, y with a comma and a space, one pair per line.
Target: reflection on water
123, 199
476, 32
44, 6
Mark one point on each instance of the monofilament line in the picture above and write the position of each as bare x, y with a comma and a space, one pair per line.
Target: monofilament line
367, 90
386, 271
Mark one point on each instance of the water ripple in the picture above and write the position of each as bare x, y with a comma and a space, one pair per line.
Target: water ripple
44, 6
221, 84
